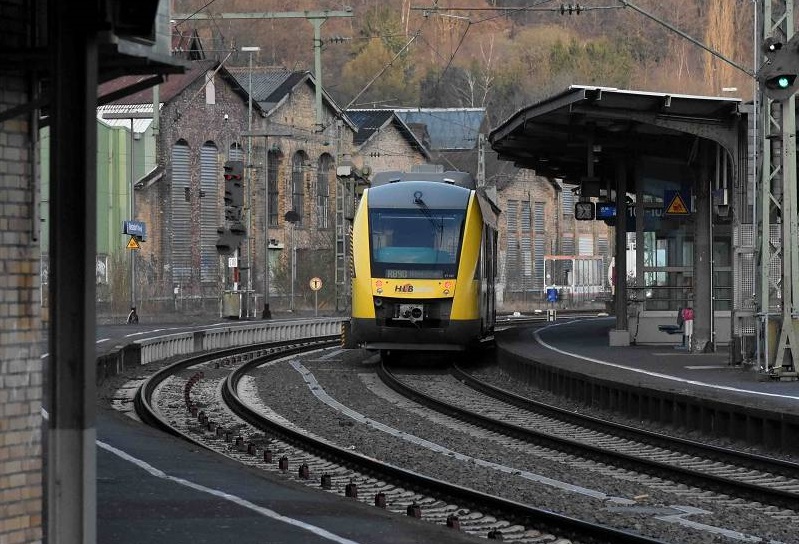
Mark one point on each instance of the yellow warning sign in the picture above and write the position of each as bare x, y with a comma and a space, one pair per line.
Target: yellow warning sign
133, 243
677, 206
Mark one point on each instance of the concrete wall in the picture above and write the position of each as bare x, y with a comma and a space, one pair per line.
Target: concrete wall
21, 332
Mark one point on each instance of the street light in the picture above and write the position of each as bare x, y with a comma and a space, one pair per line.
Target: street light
250, 50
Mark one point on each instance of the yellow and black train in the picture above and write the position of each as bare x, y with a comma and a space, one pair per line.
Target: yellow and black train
423, 264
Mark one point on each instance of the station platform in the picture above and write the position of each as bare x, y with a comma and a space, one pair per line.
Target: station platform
668, 384
152, 487
158, 489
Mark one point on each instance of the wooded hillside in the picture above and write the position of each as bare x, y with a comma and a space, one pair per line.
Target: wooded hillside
501, 60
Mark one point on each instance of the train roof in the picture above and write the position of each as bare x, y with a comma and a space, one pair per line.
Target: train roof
461, 179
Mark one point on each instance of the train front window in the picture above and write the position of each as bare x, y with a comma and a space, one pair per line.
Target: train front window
419, 243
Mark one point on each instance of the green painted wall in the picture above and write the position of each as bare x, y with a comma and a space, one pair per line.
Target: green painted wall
113, 182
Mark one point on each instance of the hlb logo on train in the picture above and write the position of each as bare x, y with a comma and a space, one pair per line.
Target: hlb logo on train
407, 288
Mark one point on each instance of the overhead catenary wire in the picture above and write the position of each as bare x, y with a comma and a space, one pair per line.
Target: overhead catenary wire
389, 64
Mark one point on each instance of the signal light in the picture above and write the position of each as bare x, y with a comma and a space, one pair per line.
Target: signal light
782, 81
778, 76
234, 170
234, 189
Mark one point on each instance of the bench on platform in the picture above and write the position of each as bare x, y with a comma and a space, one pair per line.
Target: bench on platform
673, 329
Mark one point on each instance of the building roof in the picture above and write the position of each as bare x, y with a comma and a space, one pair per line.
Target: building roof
553, 137
370, 122
449, 128
140, 124
271, 86
173, 85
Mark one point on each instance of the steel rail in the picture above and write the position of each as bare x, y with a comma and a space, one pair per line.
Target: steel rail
715, 483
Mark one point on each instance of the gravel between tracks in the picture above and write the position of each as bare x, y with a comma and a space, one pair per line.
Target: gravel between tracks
630, 501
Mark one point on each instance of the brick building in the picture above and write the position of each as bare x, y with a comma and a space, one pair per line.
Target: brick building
21, 331
537, 223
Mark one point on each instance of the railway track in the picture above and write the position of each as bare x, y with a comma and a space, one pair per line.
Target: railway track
728, 473
227, 416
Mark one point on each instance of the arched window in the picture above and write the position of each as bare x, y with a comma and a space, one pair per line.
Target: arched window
181, 212
298, 162
209, 211
274, 159
236, 152
324, 174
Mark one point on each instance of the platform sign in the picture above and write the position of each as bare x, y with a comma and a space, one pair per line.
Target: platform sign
135, 228
552, 294
677, 203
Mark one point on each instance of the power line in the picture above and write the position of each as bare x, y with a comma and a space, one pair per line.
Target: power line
178, 23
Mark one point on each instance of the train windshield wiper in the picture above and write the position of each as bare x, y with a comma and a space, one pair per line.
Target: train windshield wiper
417, 199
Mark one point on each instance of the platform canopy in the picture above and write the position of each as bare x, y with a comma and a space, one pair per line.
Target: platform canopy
583, 131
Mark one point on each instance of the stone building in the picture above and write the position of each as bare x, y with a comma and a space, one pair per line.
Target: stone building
300, 179
201, 116
384, 142
538, 227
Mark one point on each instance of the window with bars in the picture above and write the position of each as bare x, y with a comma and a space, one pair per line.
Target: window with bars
181, 213
274, 158
513, 251
585, 245
567, 201
209, 211
567, 245
525, 216
539, 251
236, 152
298, 185
323, 178
538, 218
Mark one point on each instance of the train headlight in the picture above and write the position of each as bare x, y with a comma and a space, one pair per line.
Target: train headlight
378, 302
416, 313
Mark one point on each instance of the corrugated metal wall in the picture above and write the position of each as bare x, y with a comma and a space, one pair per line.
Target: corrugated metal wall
181, 214
210, 218
512, 265
525, 247
539, 244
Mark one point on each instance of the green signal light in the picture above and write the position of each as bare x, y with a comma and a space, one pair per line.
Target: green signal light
781, 82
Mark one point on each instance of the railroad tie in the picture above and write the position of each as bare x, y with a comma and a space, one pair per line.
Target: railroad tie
414, 511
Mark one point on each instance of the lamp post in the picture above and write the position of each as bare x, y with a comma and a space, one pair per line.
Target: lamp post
250, 50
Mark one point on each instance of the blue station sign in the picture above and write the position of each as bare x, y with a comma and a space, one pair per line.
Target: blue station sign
135, 228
